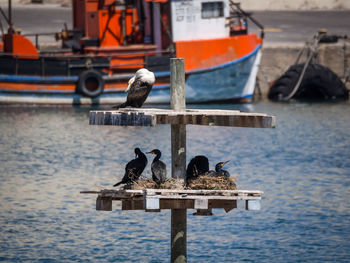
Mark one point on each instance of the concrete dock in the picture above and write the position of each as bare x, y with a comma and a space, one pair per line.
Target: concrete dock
286, 33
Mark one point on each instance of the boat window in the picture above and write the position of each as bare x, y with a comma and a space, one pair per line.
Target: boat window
212, 9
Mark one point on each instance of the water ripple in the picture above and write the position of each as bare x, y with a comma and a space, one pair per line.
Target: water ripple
48, 155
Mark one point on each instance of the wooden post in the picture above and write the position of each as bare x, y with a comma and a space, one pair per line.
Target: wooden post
177, 84
178, 235
178, 157
178, 131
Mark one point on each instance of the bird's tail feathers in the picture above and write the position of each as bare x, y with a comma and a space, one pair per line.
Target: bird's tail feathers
123, 105
118, 183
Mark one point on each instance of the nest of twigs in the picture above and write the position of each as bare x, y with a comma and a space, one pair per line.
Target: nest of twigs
200, 183
170, 183
212, 183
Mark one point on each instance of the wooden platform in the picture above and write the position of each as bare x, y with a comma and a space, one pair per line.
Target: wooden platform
154, 200
178, 201
152, 117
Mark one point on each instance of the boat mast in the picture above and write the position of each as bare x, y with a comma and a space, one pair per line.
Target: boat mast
10, 30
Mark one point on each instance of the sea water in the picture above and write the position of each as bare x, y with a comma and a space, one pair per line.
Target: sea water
49, 154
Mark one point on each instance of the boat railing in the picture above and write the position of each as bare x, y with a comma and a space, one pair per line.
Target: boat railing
36, 37
84, 61
238, 12
121, 55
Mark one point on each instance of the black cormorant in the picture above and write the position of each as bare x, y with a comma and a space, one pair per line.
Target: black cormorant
158, 167
138, 89
134, 168
199, 165
219, 171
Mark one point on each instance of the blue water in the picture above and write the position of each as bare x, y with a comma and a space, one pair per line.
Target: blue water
48, 155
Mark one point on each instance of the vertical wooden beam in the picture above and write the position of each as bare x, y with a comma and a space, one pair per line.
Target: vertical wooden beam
178, 235
178, 150
103, 204
178, 157
177, 84
178, 131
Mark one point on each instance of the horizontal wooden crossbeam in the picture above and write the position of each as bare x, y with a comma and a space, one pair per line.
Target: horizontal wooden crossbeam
153, 200
152, 117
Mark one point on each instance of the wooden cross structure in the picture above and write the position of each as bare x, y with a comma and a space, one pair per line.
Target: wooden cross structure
154, 200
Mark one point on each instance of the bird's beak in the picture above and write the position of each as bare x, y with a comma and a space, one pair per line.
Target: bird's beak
150, 152
131, 81
224, 163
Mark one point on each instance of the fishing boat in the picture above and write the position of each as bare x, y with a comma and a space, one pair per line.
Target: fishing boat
111, 39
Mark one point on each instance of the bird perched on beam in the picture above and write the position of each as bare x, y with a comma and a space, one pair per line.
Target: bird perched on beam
138, 89
158, 167
219, 171
134, 168
198, 165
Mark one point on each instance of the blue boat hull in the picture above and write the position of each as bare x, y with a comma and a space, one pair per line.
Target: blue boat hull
232, 81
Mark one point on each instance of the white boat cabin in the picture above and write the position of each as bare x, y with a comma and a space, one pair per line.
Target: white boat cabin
199, 19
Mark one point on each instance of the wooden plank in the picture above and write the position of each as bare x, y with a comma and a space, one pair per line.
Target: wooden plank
194, 191
203, 212
163, 204
208, 197
103, 204
176, 204
152, 117
227, 205
120, 193
106, 204
133, 205
122, 118
217, 118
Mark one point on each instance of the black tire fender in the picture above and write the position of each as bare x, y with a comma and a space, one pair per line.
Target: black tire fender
319, 82
90, 83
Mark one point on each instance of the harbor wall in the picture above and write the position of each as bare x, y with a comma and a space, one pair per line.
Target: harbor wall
276, 59
295, 4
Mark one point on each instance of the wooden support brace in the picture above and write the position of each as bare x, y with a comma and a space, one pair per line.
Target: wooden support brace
125, 118
133, 205
152, 117
103, 204
203, 212
151, 203
253, 205
201, 203
227, 205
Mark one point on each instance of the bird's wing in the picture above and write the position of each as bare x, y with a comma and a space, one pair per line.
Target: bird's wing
226, 173
134, 169
212, 173
159, 170
197, 166
130, 170
131, 164
138, 93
